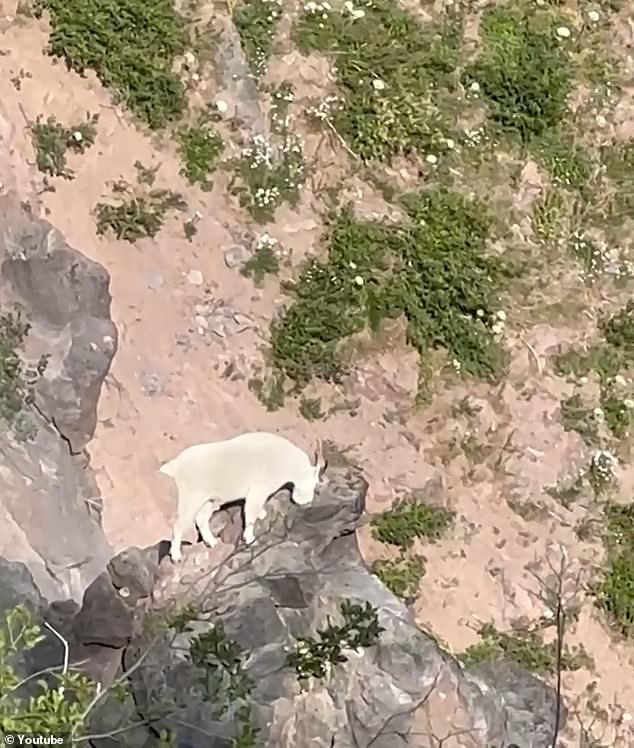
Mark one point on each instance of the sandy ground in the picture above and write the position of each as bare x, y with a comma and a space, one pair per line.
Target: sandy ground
166, 388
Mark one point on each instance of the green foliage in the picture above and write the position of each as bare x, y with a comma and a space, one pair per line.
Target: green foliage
523, 71
411, 518
261, 263
314, 656
401, 576
310, 408
524, 647
51, 141
130, 44
393, 71
256, 22
200, 148
575, 416
58, 707
566, 160
138, 216
606, 358
436, 270
619, 168
614, 593
618, 413
17, 380
269, 172
269, 391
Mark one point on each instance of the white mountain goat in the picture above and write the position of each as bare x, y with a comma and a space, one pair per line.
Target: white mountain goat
252, 466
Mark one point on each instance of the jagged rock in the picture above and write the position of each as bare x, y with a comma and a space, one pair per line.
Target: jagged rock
289, 584
49, 499
17, 587
135, 571
105, 618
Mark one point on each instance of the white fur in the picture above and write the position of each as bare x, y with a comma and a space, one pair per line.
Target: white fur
252, 466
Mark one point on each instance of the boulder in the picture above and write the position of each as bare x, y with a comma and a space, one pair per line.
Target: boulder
289, 584
49, 499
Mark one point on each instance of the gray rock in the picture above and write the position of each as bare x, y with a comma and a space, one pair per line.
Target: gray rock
105, 618
135, 570
17, 588
289, 584
235, 79
236, 255
48, 495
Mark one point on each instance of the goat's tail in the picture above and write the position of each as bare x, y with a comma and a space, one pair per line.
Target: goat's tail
167, 468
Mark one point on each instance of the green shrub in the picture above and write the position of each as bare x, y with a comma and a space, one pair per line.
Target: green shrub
436, 271
614, 593
411, 518
314, 656
393, 72
402, 576
130, 44
522, 71
17, 380
524, 647
52, 140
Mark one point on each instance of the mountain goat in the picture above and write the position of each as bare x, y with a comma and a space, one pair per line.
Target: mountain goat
252, 466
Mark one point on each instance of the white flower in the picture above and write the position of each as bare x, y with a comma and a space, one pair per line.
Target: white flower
627, 717
480, 313
359, 13
431, 159
593, 15
475, 87
628, 403
563, 32
352, 265
497, 328
450, 144
620, 380
222, 106
501, 315
378, 84
358, 280
77, 136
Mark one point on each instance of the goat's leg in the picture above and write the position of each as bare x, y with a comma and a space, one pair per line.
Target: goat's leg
184, 520
202, 523
253, 510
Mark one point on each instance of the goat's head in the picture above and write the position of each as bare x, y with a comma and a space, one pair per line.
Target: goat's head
304, 489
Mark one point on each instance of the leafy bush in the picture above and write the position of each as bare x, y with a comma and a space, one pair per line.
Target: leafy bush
392, 71
130, 44
17, 380
411, 518
615, 591
436, 271
522, 71
402, 576
52, 140
524, 647
139, 216
61, 703
314, 656
200, 147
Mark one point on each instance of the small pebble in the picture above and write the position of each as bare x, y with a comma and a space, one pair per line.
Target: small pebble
195, 277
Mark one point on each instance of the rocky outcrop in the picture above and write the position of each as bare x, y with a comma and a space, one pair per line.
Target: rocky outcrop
398, 693
49, 500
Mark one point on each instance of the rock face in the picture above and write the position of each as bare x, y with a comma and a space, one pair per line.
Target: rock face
398, 693
48, 496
